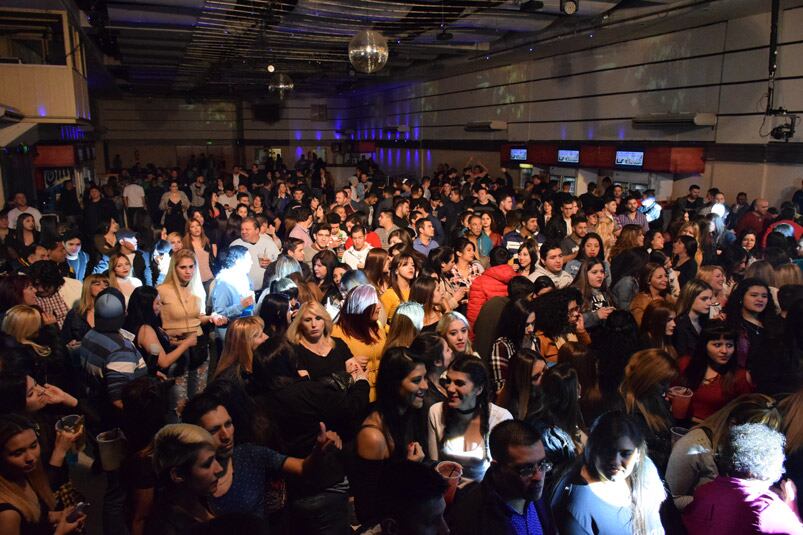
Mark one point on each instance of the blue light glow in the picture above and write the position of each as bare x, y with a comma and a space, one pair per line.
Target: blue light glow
297, 134
41, 110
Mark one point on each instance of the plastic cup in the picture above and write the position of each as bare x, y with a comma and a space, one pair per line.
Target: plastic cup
112, 449
677, 433
451, 472
680, 398
73, 423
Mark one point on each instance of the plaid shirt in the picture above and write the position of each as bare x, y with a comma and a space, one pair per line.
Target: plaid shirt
54, 305
474, 271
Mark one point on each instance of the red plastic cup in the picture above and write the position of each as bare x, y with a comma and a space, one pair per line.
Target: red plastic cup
451, 472
680, 398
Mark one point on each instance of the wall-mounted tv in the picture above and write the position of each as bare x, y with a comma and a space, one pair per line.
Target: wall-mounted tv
519, 155
629, 158
568, 156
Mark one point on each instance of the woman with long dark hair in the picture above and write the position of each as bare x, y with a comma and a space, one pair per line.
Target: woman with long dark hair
591, 246
393, 431
195, 239
521, 394
625, 269
658, 326
377, 269
459, 428
527, 257
560, 389
26, 501
323, 272
437, 356
558, 320
403, 270
24, 236
752, 315
683, 249
276, 314
515, 323
145, 322
613, 488
693, 308
597, 303
440, 261
429, 292
712, 371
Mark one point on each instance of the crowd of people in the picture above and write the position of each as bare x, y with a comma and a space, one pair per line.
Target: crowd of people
267, 351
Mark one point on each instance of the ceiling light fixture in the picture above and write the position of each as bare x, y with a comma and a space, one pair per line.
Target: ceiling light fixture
271, 68
368, 51
569, 7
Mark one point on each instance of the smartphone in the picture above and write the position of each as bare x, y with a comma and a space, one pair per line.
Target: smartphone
80, 509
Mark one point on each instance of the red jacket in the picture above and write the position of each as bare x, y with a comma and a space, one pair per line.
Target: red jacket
492, 283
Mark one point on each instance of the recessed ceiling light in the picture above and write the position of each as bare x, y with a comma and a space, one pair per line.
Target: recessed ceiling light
271, 68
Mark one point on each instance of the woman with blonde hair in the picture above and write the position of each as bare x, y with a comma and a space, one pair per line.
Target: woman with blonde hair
317, 353
188, 471
453, 327
22, 323
243, 336
716, 278
647, 376
693, 461
26, 501
184, 314
81, 318
121, 277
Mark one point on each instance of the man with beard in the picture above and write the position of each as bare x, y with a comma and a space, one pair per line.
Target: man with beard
508, 500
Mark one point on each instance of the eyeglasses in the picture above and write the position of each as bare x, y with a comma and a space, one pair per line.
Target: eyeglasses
528, 470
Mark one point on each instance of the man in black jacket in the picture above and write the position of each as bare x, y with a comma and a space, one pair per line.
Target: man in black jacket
508, 500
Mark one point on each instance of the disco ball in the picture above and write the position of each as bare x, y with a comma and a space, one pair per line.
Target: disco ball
280, 83
368, 51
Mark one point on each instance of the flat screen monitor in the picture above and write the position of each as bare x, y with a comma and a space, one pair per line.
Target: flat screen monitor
519, 155
568, 156
629, 158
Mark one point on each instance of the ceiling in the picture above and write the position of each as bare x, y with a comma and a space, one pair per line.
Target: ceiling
202, 48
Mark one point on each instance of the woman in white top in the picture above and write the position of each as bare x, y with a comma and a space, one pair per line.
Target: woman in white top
459, 428
120, 276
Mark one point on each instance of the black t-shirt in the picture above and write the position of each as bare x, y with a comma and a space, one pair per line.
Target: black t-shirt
42, 527
318, 366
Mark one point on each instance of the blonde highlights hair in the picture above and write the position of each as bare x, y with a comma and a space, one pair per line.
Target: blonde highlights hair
87, 302
294, 333
113, 264
237, 350
646, 370
176, 446
446, 320
195, 285
22, 322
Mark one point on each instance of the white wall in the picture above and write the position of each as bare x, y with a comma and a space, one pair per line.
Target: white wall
594, 94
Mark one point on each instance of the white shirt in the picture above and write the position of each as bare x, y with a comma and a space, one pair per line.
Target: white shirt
561, 279
474, 462
263, 247
355, 258
134, 195
14, 214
